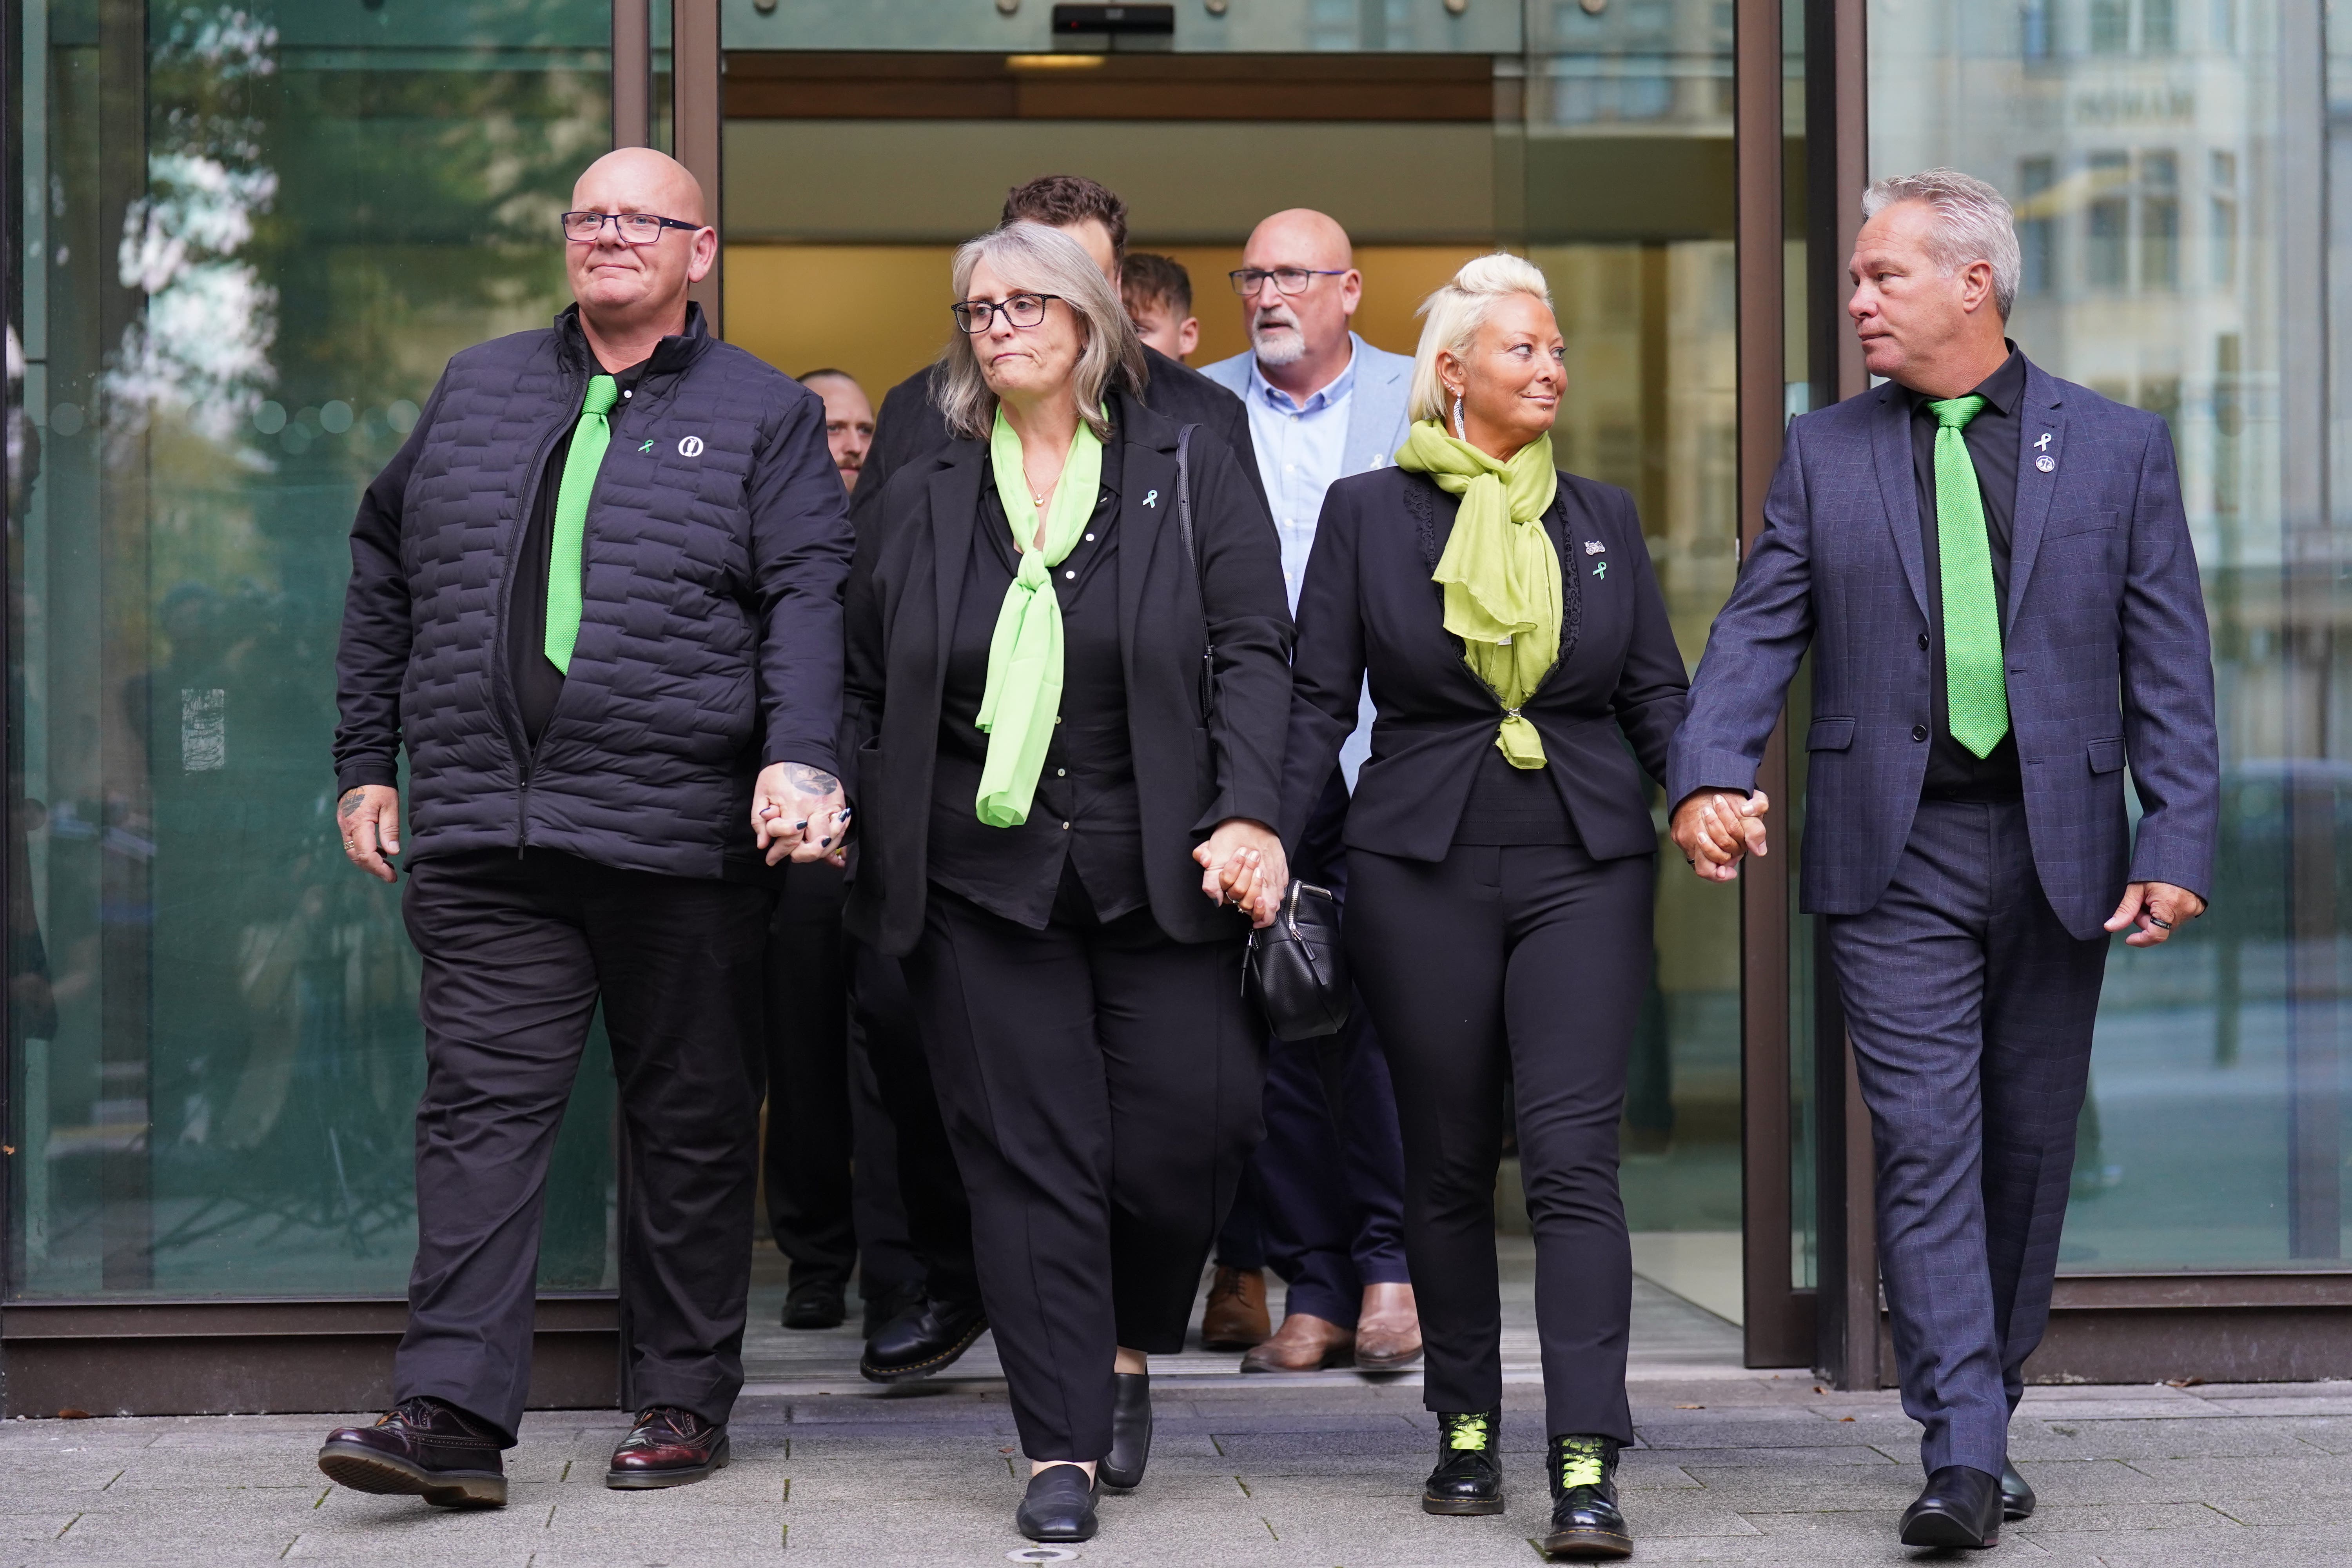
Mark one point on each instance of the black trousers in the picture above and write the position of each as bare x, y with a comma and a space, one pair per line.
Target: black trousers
1101, 1087
934, 1215
1534, 959
1971, 1009
811, 1132
519, 952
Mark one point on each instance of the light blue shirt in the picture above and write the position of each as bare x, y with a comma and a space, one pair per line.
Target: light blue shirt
1301, 450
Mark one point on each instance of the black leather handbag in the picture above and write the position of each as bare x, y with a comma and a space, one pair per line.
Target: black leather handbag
1298, 968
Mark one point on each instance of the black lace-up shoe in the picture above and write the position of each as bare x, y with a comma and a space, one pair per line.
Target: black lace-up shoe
1469, 1474
1059, 1505
667, 1447
923, 1342
1131, 1433
814, 1304
1959, 1506
423, 1448
1585, 1522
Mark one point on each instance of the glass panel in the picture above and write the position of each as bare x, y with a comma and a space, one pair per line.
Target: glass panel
2166, 162
254, 233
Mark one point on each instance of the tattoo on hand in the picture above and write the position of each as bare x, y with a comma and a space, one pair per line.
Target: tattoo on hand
350, 805
810, 781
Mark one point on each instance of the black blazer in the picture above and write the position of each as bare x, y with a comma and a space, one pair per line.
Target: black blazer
1189, 775
1369, 606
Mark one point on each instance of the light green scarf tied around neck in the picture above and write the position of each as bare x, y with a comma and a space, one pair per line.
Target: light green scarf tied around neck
1023, 698
1500, 572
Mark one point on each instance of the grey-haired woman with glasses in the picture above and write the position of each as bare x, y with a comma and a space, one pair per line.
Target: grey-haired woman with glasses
1065, 725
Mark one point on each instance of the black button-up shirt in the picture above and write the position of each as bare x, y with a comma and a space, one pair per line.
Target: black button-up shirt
1953, 772
1085, 815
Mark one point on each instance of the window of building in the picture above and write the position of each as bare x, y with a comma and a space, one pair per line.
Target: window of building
2106, 222
2159, 220
2110, 26
2037, 229
2222, 219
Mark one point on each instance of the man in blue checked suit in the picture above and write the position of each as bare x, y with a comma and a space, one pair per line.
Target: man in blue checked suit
1324, 1202
1993, 572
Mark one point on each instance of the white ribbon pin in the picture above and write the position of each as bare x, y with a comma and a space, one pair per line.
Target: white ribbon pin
1151, 499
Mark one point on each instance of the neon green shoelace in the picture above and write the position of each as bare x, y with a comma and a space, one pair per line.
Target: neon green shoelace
1468, 1433
1580, 1463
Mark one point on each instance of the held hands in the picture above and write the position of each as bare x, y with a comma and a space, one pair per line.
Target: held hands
1244, 867
369, 819
2156, 908
800, 811
1714, 828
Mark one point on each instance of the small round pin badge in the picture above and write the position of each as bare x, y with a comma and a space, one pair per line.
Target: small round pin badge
2046, 464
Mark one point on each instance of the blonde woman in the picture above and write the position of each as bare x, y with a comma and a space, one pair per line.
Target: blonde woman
1500, 862
1066, 726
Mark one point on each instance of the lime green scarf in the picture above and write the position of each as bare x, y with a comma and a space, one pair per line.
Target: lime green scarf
1023, 700
1500, 572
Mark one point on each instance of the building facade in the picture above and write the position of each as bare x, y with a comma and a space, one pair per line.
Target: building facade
243, 235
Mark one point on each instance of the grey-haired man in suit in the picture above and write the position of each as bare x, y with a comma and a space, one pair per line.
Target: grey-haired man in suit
1994, 573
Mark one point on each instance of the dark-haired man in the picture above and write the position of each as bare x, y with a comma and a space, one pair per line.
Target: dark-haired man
1092, 214
1158, 294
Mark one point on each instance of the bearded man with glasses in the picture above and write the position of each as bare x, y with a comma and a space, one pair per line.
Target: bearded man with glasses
597, 597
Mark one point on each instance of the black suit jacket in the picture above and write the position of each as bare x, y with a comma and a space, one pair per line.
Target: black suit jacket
1369, 607
1191, 772
910, 427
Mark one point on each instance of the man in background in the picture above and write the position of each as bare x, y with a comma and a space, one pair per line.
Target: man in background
1158, 294
1329, 1181
848, 420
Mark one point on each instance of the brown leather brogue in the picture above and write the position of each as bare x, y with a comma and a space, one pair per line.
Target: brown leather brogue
1387, 1330
420, 1448
1234, 1318
667, 1447
1304, 1343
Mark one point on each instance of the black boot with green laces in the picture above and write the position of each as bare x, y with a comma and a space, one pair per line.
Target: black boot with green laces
1585, 1522
1469, 1474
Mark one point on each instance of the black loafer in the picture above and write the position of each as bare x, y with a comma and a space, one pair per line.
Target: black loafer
1585, 1522
1469, 1474
1058, 1506
814, 1304
1960, 1507
425, 1448
2017, 1498
923, 1342
1131, 1433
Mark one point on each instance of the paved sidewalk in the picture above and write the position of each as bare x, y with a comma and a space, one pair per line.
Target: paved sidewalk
1308, 1472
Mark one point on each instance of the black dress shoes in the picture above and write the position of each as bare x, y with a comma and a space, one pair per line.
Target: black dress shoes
1961, 1506
1130, 1432
1585, 1523
2016, 1498
667, 1447
814, 1304
1469, 1474
422, 1448
920, 1342
1059, 1505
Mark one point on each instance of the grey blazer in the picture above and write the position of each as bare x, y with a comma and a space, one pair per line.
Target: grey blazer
2109, 662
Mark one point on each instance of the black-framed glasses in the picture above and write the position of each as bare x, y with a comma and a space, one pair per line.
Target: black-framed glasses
1248, 280
637, 228
974, 316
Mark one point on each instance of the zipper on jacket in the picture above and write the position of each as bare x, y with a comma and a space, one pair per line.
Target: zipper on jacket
501, 667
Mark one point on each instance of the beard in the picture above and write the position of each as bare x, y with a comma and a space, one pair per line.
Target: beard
1277, 347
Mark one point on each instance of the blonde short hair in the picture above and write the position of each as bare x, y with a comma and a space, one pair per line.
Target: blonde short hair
1047, 262
1455, 313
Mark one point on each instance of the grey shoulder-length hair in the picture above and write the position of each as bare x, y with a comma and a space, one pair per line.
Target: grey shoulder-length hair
1044, 260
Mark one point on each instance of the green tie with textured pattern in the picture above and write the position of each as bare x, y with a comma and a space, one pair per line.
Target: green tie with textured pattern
589, 439
1975, 694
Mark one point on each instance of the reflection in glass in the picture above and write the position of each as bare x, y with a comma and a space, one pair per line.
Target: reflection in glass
257, 233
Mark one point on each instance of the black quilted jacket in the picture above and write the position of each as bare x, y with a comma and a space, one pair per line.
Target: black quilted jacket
711, 626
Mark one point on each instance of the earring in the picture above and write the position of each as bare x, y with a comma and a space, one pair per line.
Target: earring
1458, 418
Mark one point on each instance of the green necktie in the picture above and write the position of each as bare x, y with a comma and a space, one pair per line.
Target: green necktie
1976, 695
589, 439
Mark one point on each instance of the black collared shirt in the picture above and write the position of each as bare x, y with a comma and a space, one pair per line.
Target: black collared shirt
1085, 816
1953, 772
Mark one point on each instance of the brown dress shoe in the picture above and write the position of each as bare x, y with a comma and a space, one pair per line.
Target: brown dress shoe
1235, 1318
667, 1447
1304, 1343
423, 1449
1388, 1332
